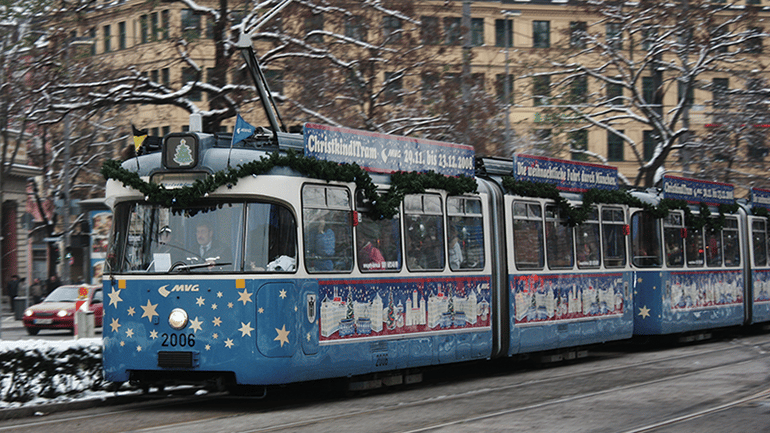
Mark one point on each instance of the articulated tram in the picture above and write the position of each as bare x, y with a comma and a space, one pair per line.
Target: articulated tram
282, 258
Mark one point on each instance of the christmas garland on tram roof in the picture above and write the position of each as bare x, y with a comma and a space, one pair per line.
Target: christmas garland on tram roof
383, 205
578, 215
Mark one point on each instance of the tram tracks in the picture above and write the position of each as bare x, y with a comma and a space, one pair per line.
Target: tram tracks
579, 382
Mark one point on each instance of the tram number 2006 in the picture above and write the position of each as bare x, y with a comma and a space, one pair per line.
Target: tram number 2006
181, 340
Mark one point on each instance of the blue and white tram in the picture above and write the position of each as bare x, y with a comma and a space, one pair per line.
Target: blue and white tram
280, 277
689, 279
566, 286
759, 293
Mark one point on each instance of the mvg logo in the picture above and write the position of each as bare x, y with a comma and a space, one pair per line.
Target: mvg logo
178, 288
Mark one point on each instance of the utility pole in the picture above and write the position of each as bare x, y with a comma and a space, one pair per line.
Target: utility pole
506, 79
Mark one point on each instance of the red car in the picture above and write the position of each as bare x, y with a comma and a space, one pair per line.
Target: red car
57, 311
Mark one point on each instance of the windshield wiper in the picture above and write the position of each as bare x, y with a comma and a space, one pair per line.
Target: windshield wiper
184, 267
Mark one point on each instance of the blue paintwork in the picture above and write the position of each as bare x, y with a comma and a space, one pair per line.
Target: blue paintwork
566, 323
263, 331
760, 295
667, 302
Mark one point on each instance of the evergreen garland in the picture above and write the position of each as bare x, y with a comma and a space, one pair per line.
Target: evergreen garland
383, 206
578, 215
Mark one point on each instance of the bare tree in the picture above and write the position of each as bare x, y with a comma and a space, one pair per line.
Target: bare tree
623, 69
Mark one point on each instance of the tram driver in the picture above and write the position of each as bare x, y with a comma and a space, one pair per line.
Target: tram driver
209, 249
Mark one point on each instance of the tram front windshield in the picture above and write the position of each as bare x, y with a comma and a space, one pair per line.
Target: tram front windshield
204, 239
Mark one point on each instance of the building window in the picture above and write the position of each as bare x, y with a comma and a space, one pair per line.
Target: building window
391, 29
689, 97
541, 34
614, 36
154, 75
191, 24
430, 33
753, 44
578, 144
577, 34
190, 75
719, 90
755, 146
430, 86
210, 28
579, 90
92, 36
541, 86
274, 81
452, 31
143, 29
355, 28
164, 24
393, 86
154, 27
107, 39
650, 142
314, 23
477, 32
615, 146
649, 36
615, 94
122, 35
165, 77
500, 88
503, 33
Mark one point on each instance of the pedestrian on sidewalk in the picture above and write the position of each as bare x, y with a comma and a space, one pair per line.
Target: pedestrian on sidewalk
36, 291
13, 290
53, 283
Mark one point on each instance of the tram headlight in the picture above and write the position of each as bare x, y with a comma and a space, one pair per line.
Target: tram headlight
178, 318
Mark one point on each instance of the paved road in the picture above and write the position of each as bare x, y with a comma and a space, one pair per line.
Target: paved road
13, 330
717, 387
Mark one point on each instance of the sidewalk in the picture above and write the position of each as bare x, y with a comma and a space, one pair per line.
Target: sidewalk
7, 317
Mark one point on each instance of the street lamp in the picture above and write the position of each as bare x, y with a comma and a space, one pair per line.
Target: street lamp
506, 80
65, 276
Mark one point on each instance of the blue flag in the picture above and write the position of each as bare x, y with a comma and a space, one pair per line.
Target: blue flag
242, 130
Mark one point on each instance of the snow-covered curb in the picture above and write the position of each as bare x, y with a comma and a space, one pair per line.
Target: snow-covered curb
34, 372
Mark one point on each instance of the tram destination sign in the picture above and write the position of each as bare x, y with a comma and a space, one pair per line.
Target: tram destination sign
383, 153
572, 176
760, 198
698, 191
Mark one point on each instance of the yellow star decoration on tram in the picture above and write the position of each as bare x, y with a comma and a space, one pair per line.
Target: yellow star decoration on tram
153, 334
283, 335
129, 332
208, 347
644, 312
217, 321
115, 325
122, 343
245, 329
149, 310
114, 297
195, 324
213, 306
131, 311
244, 297
138, 348
228, 343
282, 294
200, 301
219, 294
261, 310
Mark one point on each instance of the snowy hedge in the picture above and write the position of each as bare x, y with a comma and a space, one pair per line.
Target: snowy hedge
34, 371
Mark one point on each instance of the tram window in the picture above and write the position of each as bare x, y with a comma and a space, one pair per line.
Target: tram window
587, 241
694, 248
713, 248
465, 233
558, 240
613, 238
379, 244
160, 239
732, 250
271, 239
528, 235
673, 230
423, 219
327, 228
759, 242
645, 240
